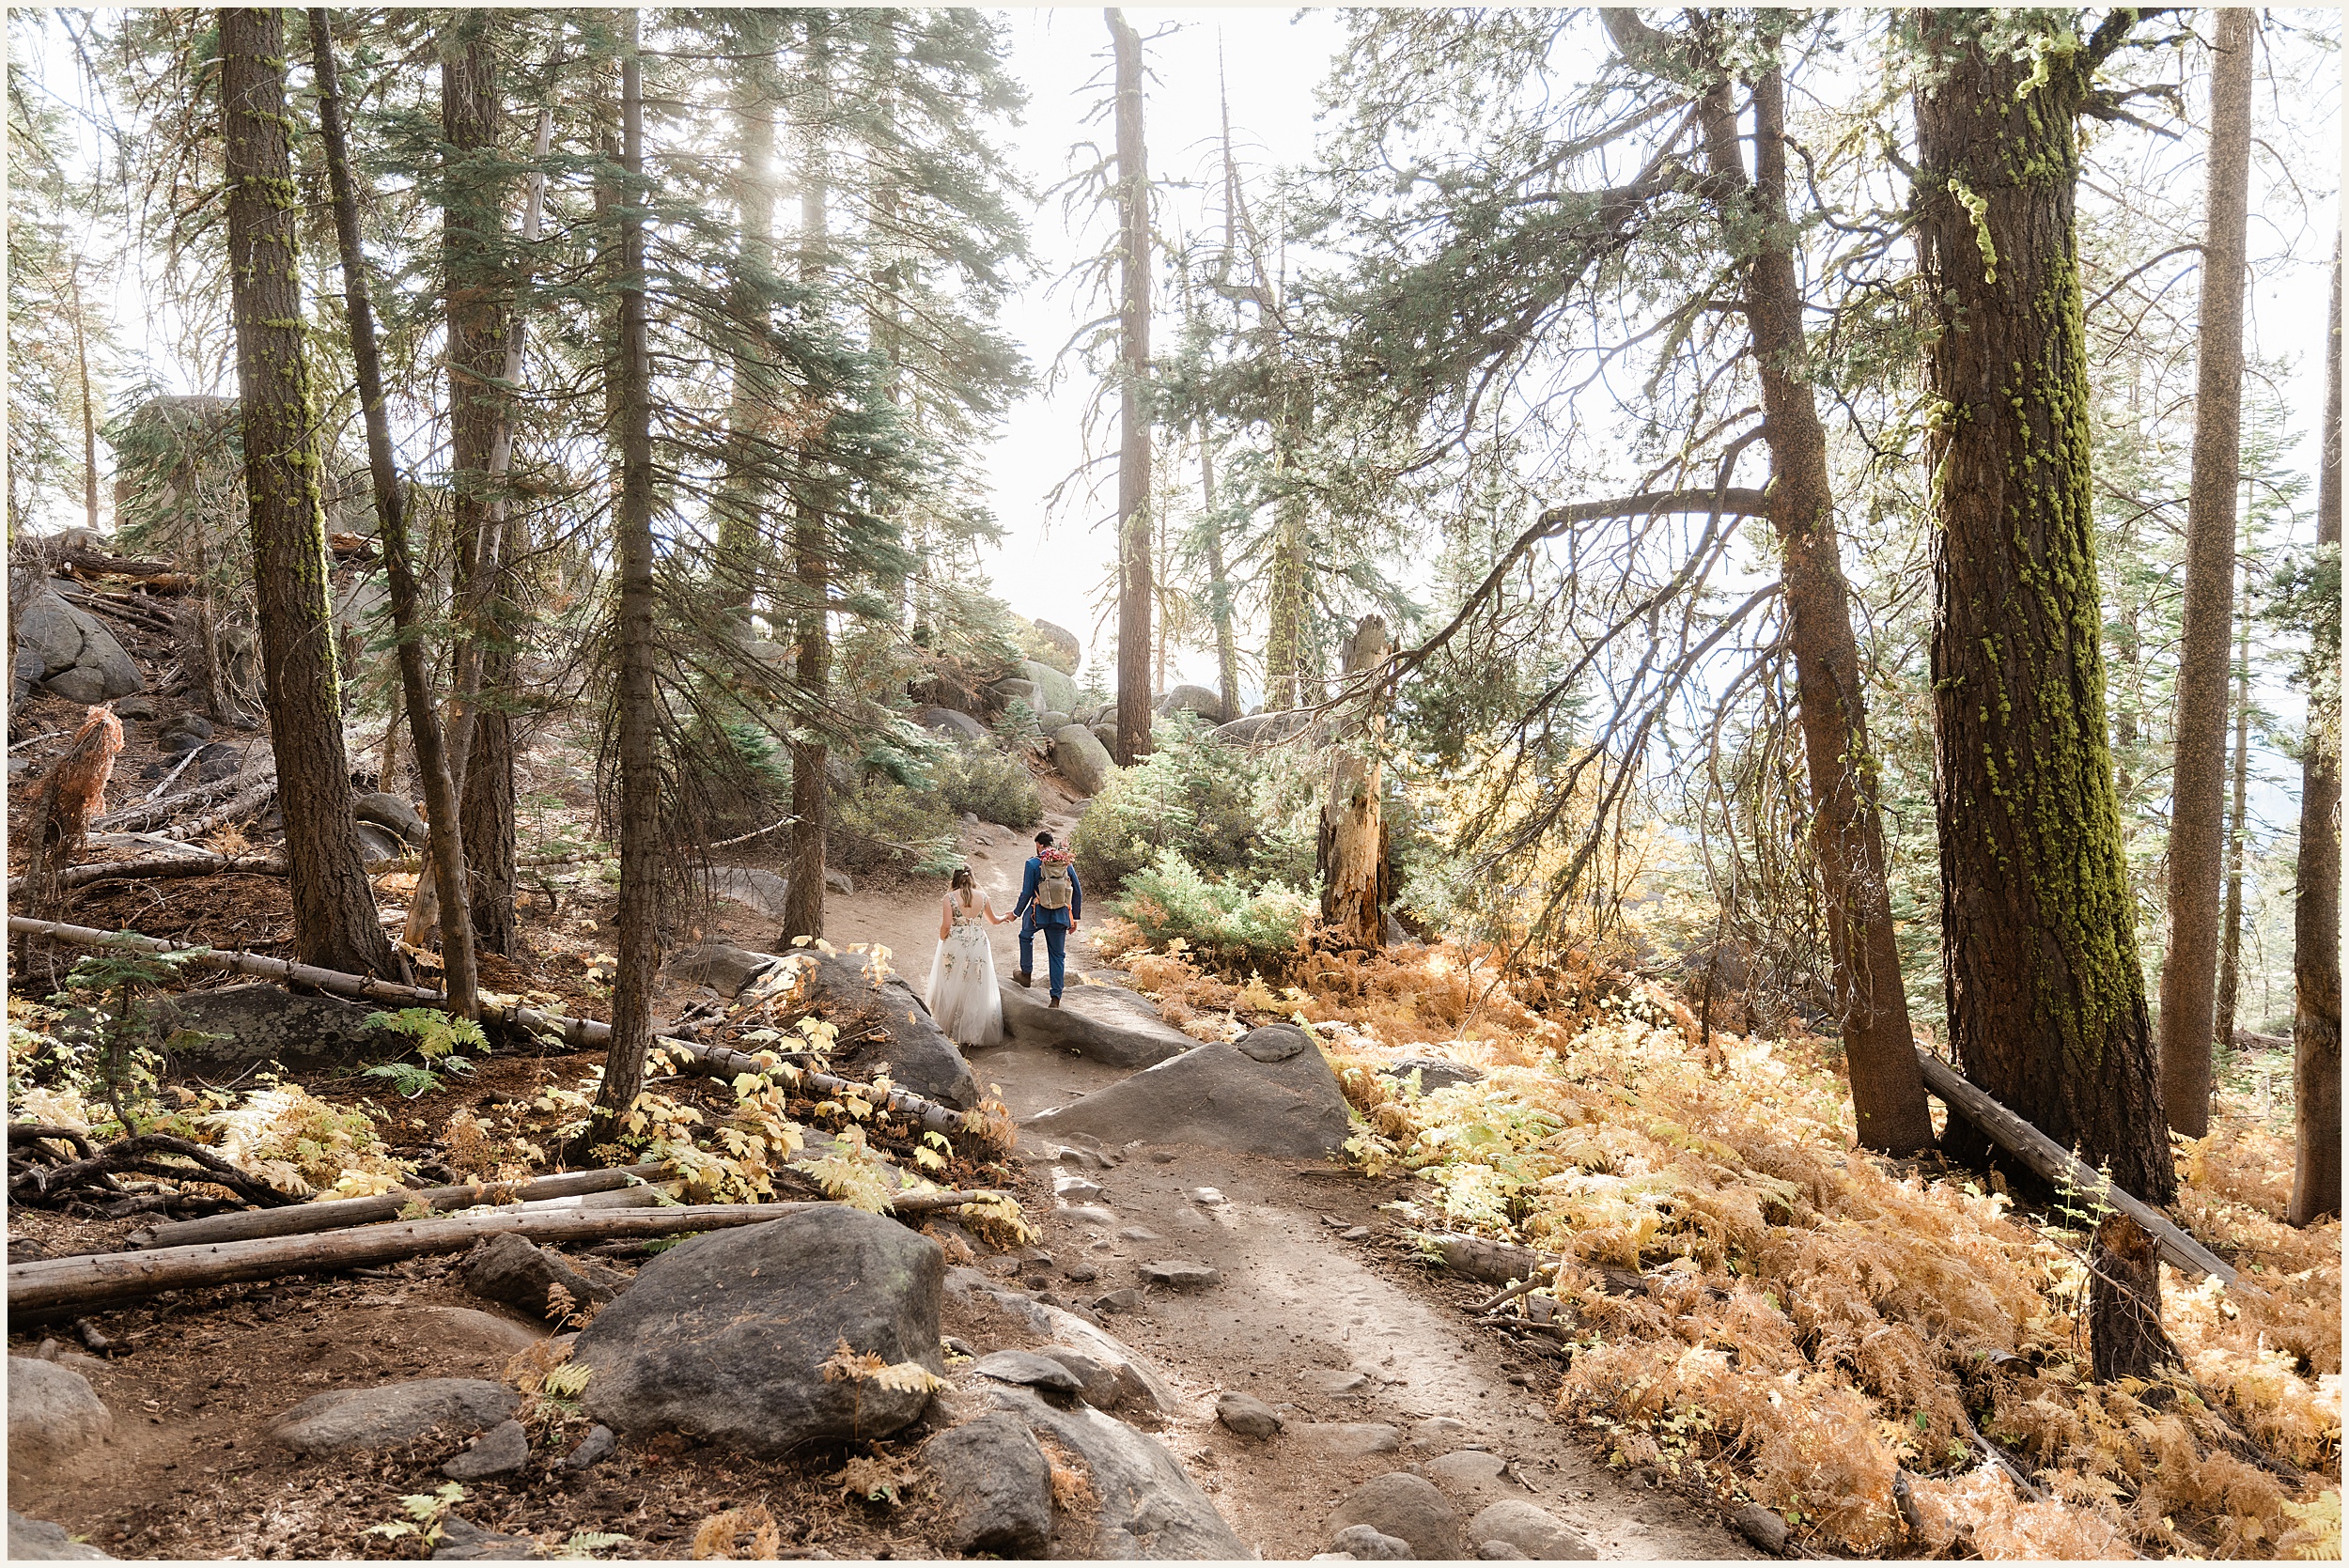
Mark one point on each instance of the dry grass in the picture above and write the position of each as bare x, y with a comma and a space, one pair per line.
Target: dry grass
1819, 1325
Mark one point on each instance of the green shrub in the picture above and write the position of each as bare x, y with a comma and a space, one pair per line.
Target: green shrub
990, 786
1224, 810
1228, 923
883, 825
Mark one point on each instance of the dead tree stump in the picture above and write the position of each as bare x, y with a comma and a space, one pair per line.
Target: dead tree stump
2124, 1333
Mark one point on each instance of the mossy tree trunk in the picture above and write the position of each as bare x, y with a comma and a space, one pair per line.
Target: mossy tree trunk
1848, 834
2199, 773
2316, 902
2047, 999
335, 924
1352, 849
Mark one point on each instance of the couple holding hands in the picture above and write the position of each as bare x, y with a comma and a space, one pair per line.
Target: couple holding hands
962, 994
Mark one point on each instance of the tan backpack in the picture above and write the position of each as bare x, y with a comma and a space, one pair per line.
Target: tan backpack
1051, 887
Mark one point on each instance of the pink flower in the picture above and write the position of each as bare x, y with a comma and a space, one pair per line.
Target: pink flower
1055, 856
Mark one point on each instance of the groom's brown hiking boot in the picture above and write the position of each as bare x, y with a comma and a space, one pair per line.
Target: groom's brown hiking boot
1056, 1002
1020, 978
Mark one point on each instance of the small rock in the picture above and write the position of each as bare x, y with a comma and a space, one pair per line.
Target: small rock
1088, 1214
516, 1273
1468, 1467
1126, 1300
1206, 1195
1437, 1432
1350, 1439
1365, 1544
1082, 1273
599, 1442
1246, 1415
1766, 1527
1337, 1384
1098, 1385
53, 1412
1137, 1233
38, 1541
135, 708
839, 882
1180, 1274
1407, 1506
1076, 1190
1355, 1233
1534, 1532
1162, 1156
462, 1541
502, 1450
1434, 1072
1499, 1551
392, 1414
176, 737
994, 1486
1035, 1372
216, 763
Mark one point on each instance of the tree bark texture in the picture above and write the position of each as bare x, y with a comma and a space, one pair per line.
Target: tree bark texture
481, 738
334, 915
641, 872
1286, 678
753, 397
1135, 596
803, 899
2316, 900
1218, 584
2230, 916
414, 694
2046, 1001
1848, 833
1355, 890
2124, 1334
2198, 775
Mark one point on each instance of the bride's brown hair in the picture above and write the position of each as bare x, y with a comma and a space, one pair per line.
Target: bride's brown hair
962, 878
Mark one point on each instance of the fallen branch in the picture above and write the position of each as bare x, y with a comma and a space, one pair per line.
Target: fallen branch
1499, 1262
149, 814
248, 801
173, 777
755, 832
144, 1155
2069, 1174
336, 1214
199, 862
92, 1279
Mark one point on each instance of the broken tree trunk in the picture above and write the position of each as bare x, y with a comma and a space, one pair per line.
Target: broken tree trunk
942, 1119
198, 862
2070, 1175
77, 1284
338, 1213
2124, 1334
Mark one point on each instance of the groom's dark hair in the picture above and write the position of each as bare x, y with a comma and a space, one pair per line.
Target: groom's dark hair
1044, 839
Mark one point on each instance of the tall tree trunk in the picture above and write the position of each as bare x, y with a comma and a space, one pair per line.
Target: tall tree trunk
2230, 921
804, 901
1353, 841
1135, 595
1218, 584
1848, 834
2316, 899
335, 916
1286, 598
481, 737
442, 839
752, 401
641, 872
2199, 776
89, 407
2046, 1001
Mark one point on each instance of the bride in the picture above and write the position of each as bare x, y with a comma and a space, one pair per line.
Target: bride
963, 999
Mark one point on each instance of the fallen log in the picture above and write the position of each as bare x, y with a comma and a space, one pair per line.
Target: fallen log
334, 1214
144, 1155
79, 1283
1500, 1263
200, 862
719, 1060
2069, 1174
250, 801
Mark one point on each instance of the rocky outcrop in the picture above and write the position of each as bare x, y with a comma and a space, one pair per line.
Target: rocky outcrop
722, 966
38, 1541
1081, 757
1148, 1508
1269, 1094
994, 1487
1107, 1023
1055, 691
236, 1026
726, 1336
947, 721
1409, 1508
64, 650
1065, 644
1194, 699
386, 1417
885, 1021
53, 1412
761, 890
1288, 727
516, 1273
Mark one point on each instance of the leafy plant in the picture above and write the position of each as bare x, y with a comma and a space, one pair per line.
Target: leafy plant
1228, 923
427, 1512
104, 1040
1018, 732
990, 786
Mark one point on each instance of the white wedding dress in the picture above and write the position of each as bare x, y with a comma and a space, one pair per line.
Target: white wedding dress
963, 998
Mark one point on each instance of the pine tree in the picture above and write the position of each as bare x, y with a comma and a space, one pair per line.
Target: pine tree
1136, 595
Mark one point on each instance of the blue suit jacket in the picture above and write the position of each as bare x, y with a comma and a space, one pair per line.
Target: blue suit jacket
1049, 917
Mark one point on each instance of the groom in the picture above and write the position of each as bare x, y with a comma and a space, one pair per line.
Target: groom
1053, 901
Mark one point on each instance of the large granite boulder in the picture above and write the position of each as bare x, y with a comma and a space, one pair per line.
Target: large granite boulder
994, 1486
387, 810
38, 1541
1287, 728
53, 1412
881, 1020
1409, 1508
947, 721
1058, 692
1193, 699
762, 890
725, 1337
1107, 1023
1270, 1092
63, 649
1081, 757
1064, 644
236, 1026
